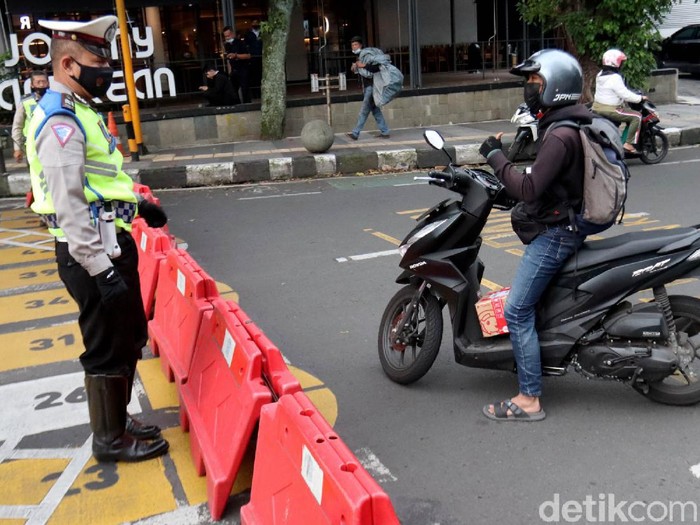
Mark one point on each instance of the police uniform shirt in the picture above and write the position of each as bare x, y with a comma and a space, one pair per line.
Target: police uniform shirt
61, 149
18, 126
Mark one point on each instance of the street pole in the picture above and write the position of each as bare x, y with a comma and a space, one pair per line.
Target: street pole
128, 69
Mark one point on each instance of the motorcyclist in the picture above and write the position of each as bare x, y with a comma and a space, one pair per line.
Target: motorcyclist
554, 82
611, 93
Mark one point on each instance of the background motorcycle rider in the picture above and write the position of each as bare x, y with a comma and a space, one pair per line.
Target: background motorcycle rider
554, 81
611, 93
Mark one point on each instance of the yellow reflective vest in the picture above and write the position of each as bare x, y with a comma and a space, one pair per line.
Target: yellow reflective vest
104, 179
29, 102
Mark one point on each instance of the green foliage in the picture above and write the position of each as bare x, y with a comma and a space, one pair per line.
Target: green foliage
591, 27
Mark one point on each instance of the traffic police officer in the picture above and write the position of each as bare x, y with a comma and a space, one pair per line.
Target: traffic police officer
87, 201
39, 83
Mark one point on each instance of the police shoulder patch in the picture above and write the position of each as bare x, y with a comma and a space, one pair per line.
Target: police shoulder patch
63, 132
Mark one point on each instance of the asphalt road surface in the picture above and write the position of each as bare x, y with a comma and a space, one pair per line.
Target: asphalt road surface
314, 265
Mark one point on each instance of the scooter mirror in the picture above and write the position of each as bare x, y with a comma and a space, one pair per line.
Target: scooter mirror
434, 139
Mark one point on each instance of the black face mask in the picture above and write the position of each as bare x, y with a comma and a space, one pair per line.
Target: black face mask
531, 95
95, 80
39, 91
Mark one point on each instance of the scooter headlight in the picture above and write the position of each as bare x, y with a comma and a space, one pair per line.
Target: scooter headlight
425, 230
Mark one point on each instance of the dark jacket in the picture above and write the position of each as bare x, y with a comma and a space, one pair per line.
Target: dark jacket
220, 91
557, 170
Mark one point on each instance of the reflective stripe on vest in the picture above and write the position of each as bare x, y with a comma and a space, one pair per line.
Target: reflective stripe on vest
104, 178
29, 104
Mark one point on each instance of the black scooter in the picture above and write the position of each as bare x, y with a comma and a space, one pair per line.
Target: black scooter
584, 320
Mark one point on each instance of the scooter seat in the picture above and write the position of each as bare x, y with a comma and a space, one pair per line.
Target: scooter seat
625, 245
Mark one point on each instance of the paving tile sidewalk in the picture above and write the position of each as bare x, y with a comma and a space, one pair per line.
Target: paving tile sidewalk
238, 162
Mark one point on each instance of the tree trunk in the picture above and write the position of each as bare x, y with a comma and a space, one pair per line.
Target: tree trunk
274, 78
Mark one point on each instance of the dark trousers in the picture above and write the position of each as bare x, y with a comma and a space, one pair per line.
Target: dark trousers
240, 78
255, 76
113, 335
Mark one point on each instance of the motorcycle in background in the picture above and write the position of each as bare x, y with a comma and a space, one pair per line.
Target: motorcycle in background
524, 146
652, 146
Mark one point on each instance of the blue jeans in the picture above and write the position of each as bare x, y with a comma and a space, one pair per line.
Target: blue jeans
367, 106
543, 258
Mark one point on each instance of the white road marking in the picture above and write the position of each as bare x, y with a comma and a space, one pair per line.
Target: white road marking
695, 470
680, 162
375, 467
278, 196
365, 256
46, 404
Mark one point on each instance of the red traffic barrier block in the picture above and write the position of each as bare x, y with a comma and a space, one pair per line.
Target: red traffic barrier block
282, 381
153, 245
303, 473
145, 191
183, 293
221, 401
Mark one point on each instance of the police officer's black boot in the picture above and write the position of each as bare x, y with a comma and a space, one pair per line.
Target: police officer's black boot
107, 396
133, 426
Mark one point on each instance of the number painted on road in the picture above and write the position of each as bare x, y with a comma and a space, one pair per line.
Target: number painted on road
52, 398
33, 275
40, 303
46, 343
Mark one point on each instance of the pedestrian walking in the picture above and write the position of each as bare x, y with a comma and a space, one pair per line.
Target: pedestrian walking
88, 203
365, 72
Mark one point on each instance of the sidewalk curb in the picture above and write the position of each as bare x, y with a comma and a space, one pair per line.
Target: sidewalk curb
306, 166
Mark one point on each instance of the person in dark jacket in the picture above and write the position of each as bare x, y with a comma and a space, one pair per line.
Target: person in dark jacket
218, 90
554, 82
238, 55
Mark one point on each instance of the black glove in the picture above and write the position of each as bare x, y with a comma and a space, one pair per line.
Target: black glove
153, 214
111, 285
489, 145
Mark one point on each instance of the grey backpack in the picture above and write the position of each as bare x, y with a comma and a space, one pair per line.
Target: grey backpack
605, 175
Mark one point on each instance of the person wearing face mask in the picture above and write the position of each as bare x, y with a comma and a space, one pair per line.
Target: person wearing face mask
39, 83
255, 45
238, 56
554, 81
365, 72
88, 203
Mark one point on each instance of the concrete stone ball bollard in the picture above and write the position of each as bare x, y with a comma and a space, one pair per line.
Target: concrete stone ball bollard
317, 136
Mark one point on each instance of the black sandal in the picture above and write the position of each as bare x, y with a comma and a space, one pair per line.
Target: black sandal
500, 412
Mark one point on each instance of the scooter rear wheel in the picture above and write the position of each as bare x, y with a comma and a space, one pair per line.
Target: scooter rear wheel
654, 147
683, 387
407, 356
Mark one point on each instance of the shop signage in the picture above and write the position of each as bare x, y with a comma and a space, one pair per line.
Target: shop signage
153, 82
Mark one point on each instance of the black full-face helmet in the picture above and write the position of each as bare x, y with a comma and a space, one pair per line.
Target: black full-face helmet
561, 74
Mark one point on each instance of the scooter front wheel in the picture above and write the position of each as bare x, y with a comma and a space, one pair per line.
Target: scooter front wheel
408, 354
654, 147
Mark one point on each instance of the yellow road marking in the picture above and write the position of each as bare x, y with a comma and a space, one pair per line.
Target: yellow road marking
409, 212
490, 285
669, 227
18, 277
16, 214
388, 238
36, 305
41, 346
516, 251
29, 485
22, 254
160, 392
116, 493
28, 223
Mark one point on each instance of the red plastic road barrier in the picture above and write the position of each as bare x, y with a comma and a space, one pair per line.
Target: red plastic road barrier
153, 245
144, 190
275, 369
221, 400
183, 293
303, 473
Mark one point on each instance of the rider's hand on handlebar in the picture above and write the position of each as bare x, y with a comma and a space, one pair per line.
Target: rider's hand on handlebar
491, 144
